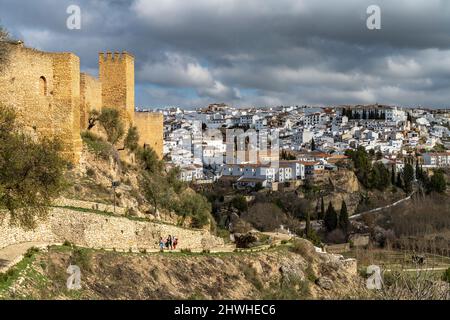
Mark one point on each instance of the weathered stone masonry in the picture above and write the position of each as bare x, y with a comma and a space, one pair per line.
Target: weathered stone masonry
52, 98
100, 231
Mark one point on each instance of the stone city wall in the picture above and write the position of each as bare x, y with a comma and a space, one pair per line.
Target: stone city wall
101, 231
150, 127
91, 97
52, 98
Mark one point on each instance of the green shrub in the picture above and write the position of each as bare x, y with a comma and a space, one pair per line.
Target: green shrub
111, 121
195, 206
304, 248
446, 275
67, 243
314, 238
4, 277
132, 139
288, 289
240, 203
149, 161
437, 182
97, 145
81, 258
310, 274
30, 252
90, 172
196, 296
251, 276
130, 212
223, 233
43, 265
165, 191
32, 172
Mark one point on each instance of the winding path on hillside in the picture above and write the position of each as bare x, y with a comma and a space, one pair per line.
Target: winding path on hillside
377, 210
11, 255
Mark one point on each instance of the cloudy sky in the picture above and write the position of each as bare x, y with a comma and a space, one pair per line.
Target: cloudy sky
191, 53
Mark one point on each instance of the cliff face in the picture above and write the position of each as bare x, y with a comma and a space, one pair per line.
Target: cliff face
277, 273
338, 186
345, 188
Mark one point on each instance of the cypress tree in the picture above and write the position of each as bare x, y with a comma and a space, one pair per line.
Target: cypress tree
408, 177
321, 213
399, 182
344, 222
313, 145
417, 171
331, 219
393, 175
308, 225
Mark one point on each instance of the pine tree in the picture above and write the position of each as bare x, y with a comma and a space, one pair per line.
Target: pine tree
344, 222
331, 219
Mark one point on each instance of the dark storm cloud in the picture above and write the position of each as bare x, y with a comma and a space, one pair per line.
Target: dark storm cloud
261, 52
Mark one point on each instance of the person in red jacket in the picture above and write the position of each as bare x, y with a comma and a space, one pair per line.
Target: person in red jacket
175, 242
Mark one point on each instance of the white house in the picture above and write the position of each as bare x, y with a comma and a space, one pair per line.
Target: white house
395, 115
297, 168
191, 173
437, 159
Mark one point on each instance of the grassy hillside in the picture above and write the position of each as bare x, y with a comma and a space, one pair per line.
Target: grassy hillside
284, 272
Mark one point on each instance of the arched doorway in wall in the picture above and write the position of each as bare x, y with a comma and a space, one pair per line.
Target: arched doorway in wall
42, 86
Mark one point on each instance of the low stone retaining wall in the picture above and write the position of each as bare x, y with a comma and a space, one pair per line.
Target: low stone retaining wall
64, 202
337, 248
101, 231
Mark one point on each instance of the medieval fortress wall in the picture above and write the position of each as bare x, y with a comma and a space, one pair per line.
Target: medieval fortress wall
52, 97
93, 230
91, 97
150, 130
116, 73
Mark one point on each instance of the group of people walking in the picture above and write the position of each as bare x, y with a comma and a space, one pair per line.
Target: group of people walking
170, 243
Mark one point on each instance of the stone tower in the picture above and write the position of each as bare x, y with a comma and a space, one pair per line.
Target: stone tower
116, 73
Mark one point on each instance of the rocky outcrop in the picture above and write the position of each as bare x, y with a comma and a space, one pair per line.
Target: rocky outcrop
344, 186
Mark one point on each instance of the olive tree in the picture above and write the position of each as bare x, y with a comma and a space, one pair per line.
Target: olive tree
31, 172
113, 125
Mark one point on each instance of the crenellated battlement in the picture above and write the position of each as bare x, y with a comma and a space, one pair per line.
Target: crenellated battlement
116, 73
114, 57
52, 97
